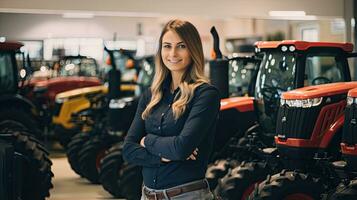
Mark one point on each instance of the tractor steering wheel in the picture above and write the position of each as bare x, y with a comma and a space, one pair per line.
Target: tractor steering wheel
270, 93
320, 80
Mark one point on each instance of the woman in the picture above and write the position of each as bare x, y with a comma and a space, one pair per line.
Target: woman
172, 133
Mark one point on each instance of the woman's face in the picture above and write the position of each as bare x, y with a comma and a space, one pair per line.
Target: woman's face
174, 52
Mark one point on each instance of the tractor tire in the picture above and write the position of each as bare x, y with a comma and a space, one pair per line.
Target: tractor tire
73, 148
37, 174
13, 117
345, 192
289, 185
64, 136
109, 170
130, 181
90, 155
240, 181
217, 170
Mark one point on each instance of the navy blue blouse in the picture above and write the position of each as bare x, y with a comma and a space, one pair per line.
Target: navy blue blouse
173, 139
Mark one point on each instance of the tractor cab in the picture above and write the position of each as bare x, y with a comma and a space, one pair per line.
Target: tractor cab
8, 67
16, 110
78, 66
288, 65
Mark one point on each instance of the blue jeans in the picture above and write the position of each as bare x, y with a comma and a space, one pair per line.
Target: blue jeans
202, 194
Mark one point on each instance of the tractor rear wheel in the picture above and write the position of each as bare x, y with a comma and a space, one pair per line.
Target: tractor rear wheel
240, 181
289, 185
73, 148
345, 192
130, 181
37, 172
217, 170
109, 170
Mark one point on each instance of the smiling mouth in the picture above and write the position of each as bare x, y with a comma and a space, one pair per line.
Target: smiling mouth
174, 61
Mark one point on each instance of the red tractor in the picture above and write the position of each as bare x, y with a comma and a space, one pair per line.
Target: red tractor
347, 168
286, 65
308, 136
74, 72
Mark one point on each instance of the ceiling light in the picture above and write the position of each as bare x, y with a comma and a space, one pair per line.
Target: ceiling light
287, 13
78, 15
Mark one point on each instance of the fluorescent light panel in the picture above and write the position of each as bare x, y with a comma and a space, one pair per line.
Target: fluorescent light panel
78, 15
287, 13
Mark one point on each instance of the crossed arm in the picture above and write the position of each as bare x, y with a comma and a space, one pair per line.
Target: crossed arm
151, 150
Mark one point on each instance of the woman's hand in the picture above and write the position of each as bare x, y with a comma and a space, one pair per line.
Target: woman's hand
193, 155
142, 142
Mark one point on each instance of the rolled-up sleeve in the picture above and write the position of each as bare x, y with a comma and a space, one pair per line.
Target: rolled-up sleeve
133, 152
203, 113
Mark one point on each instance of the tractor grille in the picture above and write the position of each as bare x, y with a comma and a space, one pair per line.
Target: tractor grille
350, 125
296, 122
300, 123
57, 108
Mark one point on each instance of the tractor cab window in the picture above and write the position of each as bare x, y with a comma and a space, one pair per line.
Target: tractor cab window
146, 74
240, 73
7, 81
276, 75
126, 66
78, 67
322, 69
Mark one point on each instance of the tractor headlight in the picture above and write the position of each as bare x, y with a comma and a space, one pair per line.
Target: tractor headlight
120, 103
301, 103
61, 100
351, 100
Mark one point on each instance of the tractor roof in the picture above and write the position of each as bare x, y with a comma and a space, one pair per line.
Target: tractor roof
303, 45
10, 46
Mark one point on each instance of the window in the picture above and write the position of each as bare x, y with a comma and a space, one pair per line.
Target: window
322, 69
7, 82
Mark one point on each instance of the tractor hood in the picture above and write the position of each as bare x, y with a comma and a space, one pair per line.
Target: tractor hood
242, 104
353, 93
317, 91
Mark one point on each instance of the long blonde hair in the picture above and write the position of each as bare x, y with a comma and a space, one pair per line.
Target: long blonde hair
193, 76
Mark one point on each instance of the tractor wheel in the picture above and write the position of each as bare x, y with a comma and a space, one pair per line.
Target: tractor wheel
89, 157
345, 192
289, 185
37, 173
240, 181
64, 136
13, 117
109, 170
130, 181
73, 147
217, 170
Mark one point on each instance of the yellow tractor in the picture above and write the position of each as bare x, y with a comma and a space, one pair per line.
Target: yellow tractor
73, 108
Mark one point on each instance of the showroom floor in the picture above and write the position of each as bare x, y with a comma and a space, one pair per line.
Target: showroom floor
69, 186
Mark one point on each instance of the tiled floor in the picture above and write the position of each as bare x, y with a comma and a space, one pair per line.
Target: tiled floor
69, 186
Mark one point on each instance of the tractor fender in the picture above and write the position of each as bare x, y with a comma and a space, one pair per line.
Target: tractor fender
242, 104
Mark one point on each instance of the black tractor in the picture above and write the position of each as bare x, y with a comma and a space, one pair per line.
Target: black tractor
25, 171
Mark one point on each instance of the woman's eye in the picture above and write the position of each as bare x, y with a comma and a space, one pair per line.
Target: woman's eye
166, 46
181, 46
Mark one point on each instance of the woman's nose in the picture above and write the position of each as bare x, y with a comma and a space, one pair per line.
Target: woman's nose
173, 52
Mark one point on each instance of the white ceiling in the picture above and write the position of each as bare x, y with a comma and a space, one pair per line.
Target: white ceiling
222, 9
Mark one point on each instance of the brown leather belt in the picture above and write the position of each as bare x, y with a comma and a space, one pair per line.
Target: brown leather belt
150, 195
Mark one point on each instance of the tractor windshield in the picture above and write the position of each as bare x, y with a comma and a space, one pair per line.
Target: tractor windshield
276, 75
78, 67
